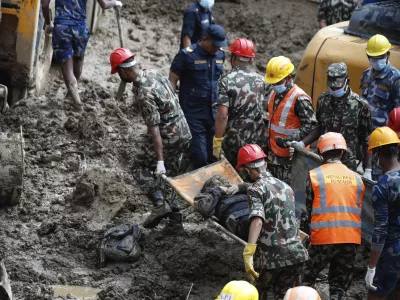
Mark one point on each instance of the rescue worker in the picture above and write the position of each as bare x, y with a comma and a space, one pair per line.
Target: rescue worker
394, 120
332, 12
334, 203
341, 110
302, 293
273, 226
291, 116
169, 131
198, 68
238, 290
380, 85
196, 20
70, 38
240, 104
383, 273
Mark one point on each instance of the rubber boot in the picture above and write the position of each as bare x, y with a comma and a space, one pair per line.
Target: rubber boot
160, 211
175, 224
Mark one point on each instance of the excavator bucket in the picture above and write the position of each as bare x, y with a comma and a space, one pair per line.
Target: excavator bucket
5, 287
11, 167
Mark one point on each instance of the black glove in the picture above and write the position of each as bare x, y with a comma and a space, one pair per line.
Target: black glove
281, 142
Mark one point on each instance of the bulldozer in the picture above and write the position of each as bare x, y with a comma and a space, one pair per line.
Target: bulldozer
346, 42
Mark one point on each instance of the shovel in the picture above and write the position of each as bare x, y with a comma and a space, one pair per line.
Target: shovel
122, 84
5, 287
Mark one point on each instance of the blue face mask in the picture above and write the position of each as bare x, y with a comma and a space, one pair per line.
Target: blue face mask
338, 93
378, 64
279, 89
207, 4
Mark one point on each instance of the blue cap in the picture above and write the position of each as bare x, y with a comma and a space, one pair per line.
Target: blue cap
217, 35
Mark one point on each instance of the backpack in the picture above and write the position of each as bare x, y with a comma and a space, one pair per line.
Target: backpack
121, 243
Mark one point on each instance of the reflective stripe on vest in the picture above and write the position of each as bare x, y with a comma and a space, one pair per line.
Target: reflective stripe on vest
338, 194
283, 120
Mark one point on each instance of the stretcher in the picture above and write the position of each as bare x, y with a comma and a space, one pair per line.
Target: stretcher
188, 185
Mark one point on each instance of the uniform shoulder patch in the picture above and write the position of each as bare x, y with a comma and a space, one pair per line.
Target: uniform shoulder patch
188, 49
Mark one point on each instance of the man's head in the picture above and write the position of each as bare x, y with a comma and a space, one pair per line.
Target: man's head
242, 51
378, 52
251, 158
384, 145
240, 290
331, 145
207, 4
214, 39
123, 61
301, 293
337, 80
278, 73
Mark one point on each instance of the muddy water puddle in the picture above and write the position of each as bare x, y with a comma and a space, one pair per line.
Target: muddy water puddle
81, 292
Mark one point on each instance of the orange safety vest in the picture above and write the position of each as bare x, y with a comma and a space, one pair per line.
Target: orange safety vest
283, 121
337, 205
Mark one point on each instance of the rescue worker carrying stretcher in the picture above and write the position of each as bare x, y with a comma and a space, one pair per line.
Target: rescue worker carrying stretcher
334, 196
291, 116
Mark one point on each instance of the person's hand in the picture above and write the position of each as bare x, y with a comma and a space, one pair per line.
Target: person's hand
248, 253
369, 278
217, 143
48, 29
230, 191
298, 145
281, 142
118, 4
368, 174
160, 168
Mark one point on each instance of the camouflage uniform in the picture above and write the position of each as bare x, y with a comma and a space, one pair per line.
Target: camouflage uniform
159, 105
341, 257
280, 253
350, 115
383, 94
281, 167
386, 234
335, 11
242, 91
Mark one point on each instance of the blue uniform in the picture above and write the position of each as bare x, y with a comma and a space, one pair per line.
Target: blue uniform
70, 35
199, 73
386, 234
383, 94
371, 1
195, 22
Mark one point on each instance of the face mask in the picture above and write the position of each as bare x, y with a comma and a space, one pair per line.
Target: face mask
378, 64
207, 4
279, 89
338, 93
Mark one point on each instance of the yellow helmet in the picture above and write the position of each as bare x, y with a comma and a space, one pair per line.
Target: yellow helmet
382, 136
302, 293
238, 290
377, 45
278, 68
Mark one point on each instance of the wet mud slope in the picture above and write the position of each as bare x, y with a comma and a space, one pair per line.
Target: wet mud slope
78, 166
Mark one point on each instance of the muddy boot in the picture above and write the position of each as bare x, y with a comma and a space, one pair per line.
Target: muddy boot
175, 224
157, 214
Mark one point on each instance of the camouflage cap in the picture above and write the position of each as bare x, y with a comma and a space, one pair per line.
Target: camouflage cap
337, 73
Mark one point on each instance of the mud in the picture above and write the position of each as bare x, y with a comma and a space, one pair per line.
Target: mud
78, 177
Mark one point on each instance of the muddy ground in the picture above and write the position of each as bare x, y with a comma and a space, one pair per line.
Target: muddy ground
78, 166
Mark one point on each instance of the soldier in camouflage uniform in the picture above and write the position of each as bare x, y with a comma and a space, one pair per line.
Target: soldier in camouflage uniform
291, 116
383, 273
341, 110
170, 134
241, 104
334, 204
335, 11
380, 85
273, 228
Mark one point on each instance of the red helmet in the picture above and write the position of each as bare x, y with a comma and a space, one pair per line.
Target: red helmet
394, 120
248, 154
242, 47
119, 56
